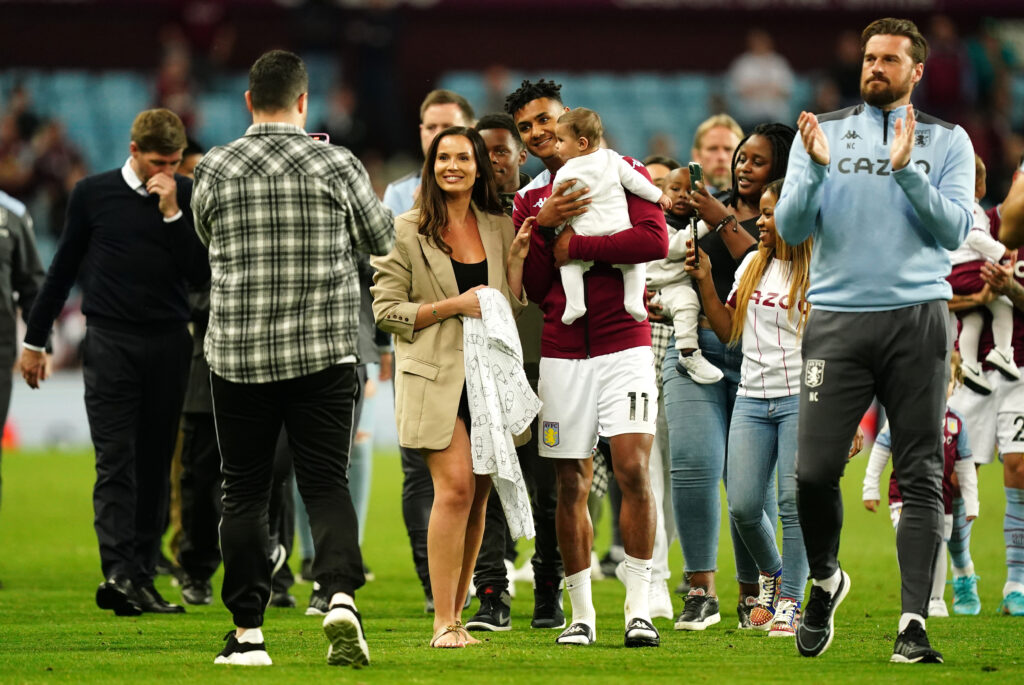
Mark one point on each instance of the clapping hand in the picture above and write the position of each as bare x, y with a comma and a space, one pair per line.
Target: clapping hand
903, 140
813, 138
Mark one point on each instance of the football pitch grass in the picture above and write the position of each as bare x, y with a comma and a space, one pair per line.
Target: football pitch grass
51, 630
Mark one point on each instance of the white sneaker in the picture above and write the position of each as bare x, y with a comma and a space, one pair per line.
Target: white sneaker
698, 368
659, 600
1003, 361
975, 379
343, 626
510, 574
595, 567
937, 609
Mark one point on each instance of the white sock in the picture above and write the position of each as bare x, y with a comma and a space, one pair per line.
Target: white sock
1012, 587
250, 636
939, 574
342, 598
962, 572
970, 331
905, 620
1002, 325
638, 588
581, 599
830, 584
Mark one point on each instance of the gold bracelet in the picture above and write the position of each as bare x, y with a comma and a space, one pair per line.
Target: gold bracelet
433, 310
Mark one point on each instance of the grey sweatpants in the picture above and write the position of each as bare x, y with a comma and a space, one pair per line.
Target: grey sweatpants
900, 356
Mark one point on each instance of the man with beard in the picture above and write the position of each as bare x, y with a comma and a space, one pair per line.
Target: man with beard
714, 143
884, 192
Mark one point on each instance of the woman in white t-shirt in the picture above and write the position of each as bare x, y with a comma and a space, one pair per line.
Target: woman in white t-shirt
765, 313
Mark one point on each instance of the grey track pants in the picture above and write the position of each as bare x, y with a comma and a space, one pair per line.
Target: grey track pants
899, 356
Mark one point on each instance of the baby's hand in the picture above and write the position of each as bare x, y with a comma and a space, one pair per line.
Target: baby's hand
664, 202
871, 504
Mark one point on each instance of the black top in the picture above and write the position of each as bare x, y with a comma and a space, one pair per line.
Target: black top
131, 264
470, 275
21, 276
723, 266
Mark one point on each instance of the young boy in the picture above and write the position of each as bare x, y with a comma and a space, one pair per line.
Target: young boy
578, 138
958, 459
965, 278
673, 285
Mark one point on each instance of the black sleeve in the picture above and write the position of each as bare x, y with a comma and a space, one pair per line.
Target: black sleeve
189, 252
27, 273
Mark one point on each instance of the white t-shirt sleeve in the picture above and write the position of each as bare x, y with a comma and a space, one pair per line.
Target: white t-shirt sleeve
635, 182
983, 243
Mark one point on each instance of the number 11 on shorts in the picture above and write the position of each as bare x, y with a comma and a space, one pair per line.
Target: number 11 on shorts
632, 405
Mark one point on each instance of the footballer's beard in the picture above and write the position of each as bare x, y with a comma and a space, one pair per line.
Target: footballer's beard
885, 96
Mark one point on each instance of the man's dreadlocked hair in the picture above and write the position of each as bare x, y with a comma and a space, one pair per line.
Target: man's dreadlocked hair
528, 92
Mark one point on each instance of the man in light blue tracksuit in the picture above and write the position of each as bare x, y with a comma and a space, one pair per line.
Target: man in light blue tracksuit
885, 192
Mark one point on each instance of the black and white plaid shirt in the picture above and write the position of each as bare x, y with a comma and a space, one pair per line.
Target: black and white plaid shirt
282, 215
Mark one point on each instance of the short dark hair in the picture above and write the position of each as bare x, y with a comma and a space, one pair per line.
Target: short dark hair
276, 80
500, 120
662, 160
192, 147
160, 131
529, 91
897, 27
448, 97
433, 202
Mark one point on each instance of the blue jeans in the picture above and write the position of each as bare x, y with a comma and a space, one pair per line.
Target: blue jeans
763, 436
698, 426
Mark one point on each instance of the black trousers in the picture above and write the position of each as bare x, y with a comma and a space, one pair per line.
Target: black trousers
5, 405
539, 475
134, 388
318, 413
850, 357
199, 552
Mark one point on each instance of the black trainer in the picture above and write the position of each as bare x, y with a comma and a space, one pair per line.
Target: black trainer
547, 605
912, 647
642, 633
195, 591
282, 599
319, 601
495, 612
700, 610
743, 609
343, 626
237, 653
814, 634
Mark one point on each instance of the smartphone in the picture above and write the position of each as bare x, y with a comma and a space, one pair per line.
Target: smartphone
326, 138
696, 174
693, 257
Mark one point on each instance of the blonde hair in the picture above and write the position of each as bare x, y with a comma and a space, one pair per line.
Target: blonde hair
585, 123
798, 272
716, 121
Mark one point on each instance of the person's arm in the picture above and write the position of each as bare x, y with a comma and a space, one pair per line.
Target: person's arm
1000, 279
186, 248
981, 241
1011, 230
646, 241
880, 453
635, 182
372, 224
539, 264
27, 272
944, 210
961, 303
517, 253
797, 212
719, 315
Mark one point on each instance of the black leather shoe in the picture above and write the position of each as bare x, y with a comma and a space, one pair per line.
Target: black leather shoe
151, 602
118, 593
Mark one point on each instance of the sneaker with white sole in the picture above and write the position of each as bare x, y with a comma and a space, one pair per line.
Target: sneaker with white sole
817, 627
1012, 604
762, 615
912, 647
786, 617
659, 600
343, 626
699, 369
965, 596
975, 379
699, 611
250, 651
319, 601
937, 608
641, 633
1004, 363
744, 608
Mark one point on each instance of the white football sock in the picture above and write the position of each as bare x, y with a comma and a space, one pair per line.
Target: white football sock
250, 636
342, 598
638, 588
581, 599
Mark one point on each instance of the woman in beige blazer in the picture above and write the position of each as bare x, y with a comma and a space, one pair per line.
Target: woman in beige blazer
457, 242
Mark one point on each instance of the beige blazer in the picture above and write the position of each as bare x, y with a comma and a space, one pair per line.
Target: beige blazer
430, 371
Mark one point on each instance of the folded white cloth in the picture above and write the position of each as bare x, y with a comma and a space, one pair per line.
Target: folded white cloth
501, 404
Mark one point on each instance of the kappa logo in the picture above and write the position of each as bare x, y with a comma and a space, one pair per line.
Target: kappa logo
922, 138
814, 372
540, 202
851, 135
549, 433
637, 163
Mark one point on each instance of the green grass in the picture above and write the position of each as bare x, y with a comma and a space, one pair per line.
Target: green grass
51, 630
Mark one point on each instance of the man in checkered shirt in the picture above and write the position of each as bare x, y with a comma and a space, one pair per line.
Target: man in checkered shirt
282, 215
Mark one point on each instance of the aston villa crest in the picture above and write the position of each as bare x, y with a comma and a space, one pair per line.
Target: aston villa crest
814, 372
549, 433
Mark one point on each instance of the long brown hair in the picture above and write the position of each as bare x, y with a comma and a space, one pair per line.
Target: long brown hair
798, 260
434, 201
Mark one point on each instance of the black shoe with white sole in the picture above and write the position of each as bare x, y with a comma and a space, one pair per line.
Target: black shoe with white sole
237, 653
495, 612
343, 626
319, 601
642, 633
814, 634
576, 634
912, 647
700, 610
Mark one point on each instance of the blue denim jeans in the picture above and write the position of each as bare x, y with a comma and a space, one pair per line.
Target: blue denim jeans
698, 426
762, 437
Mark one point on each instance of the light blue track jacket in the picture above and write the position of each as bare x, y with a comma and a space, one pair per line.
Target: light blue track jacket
880, 237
